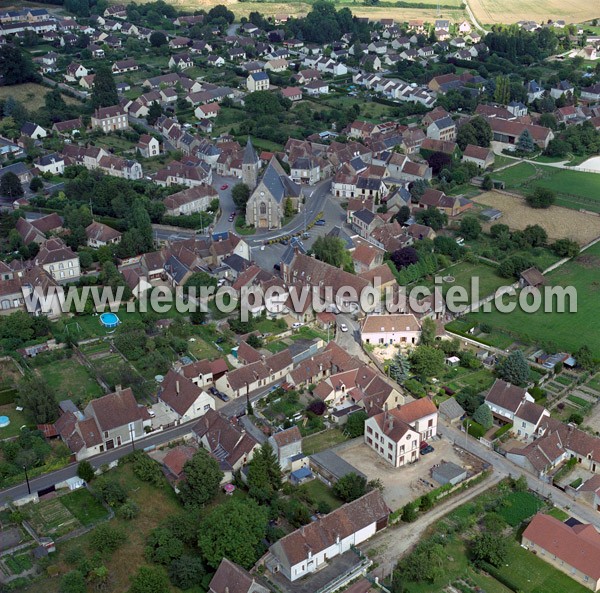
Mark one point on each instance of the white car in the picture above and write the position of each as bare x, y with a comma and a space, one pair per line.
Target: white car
297, 325
344, 327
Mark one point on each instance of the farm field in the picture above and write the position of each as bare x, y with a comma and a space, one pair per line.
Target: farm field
512, 11
558, 222
575, 189
296, 9
569, 331
29, 94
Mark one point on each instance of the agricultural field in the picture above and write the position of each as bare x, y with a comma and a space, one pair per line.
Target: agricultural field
512, 11
569, 331
575, 189
559, 223
30, 94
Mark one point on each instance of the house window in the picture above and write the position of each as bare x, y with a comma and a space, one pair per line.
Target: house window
390, 446
430, 423
369, 430
106, 434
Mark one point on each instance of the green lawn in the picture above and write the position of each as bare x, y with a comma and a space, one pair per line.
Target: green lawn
84, 506
324, 440
320, 492
569, 331
70, 380
532, 575
514, 176
467, 275
17, 419
518, 506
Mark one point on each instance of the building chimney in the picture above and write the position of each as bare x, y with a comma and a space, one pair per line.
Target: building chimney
118, 388
177, 387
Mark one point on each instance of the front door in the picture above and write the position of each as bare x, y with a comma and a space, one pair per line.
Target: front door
110, 444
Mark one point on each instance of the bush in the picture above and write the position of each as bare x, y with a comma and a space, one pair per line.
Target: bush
107, 539
85, 471
475, 429
541, 198
129, 510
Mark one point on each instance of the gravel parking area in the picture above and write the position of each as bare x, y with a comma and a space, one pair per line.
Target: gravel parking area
402, 485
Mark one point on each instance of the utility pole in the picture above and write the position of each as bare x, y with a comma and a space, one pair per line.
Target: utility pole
131, 435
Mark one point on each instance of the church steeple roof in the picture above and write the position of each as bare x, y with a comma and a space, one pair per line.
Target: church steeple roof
250, 156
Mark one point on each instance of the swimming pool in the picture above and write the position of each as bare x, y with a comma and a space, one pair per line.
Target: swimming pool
4, 421
109, 320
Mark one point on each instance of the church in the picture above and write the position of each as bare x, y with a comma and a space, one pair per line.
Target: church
266, 206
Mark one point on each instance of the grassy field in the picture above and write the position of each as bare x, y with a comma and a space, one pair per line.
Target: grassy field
155, 504
30, 94
575, 189
569, 331
558, 222
321, 441
70, 380
320, 492
84, 506
464, 273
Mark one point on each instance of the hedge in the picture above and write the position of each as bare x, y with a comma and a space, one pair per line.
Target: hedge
475, 429
499, 576
502, 430
7, 396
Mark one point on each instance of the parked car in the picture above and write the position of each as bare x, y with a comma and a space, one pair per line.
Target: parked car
297, 324
223, 397
224, 186
426, 450
320, 222
344, 327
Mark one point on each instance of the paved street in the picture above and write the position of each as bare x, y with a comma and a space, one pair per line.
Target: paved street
226, 202
47, 480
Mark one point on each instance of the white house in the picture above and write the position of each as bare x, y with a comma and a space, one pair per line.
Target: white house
60, 261
391, 329
286, 444
189, 201
309, 548
504, 400
258, 81
184, 398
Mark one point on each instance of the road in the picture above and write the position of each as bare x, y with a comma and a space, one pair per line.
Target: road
83, 95
49, 479
350, 340
506, 468
473, 19
162, 235
225, 202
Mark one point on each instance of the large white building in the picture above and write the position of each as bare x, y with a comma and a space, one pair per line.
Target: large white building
391, 329
396, 435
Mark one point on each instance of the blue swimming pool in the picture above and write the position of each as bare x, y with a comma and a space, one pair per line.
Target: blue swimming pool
109, 320
4, 421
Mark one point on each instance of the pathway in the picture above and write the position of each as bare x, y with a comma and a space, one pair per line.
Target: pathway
473, 19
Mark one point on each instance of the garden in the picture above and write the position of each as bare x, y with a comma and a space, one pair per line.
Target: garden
477, 547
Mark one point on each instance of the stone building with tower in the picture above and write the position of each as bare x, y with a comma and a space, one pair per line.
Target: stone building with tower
250, 165
266, 206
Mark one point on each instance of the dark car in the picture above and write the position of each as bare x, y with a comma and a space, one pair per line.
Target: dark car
213, 390
285, 242
277, 267
223, 397
320, 222
428, 449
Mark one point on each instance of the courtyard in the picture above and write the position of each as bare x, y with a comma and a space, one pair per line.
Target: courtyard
403, 485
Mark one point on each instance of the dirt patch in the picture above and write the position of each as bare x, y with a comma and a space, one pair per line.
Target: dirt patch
559, 223
589, 261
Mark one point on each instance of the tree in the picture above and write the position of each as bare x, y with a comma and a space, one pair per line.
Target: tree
73, 582
154, 112
85, 471
163, 546
128, 510
355, 426
111, 492
585, 359
502, 90
409, 513
104, 92
470, 228
262, 103
565, 248
535, 235
150, 579
203, 478
105, 538
264, 474
15, 65
470, 400
488, 547
288, 208
36, 184
403, 215
332, 250
433, 218
540, 197
525, 141
240, 194
427, 361
146, 469
233, 530
158, 39
404, 257
399, 368
483, 416
350, 487
514, 368
187, 572
220, 12
197, 281
38, 400
428, 331
10, 186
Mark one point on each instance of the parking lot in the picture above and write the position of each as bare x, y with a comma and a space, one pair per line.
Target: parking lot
404, 484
